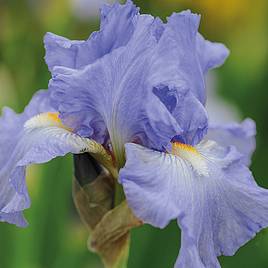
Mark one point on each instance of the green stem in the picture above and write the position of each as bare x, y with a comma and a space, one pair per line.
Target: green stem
119, 194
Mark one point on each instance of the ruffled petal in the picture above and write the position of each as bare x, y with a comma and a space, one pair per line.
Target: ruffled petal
188, 111
218, 205
16, 218
188, 54
11, 125
211, 55
242, 136
117, 26
116, 93
149, 186
42, 138
177, 54
187, 57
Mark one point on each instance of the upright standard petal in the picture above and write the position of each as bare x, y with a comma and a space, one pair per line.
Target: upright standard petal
181, 86
218, 205
242, 136
158, 66
115, 94
189, 55
117, 26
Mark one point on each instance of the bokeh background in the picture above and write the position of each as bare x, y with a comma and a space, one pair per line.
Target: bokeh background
56, 237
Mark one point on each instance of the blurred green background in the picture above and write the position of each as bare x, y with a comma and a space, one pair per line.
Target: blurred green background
55, 236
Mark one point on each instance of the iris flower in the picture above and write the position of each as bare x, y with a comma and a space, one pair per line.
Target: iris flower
133, 95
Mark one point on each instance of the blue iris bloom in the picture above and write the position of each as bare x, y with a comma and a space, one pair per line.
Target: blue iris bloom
133, 95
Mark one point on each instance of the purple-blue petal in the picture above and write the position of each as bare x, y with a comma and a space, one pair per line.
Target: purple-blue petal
117, 26
13, 194
16, 218
190, 54
211, 55
187, 110
148, 185
178, 42
217, 213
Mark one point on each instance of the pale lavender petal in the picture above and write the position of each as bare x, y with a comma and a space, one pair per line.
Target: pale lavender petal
181, 84
242, 136
11, 123
211, 55
188, 112
16, 218
11, 126
188, 54
117, 26
219, 206
178, 53
41, 139
149, 186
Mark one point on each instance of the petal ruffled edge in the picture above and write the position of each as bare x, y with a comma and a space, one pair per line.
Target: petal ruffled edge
117, 26
43, 138
211, 54
218, 211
